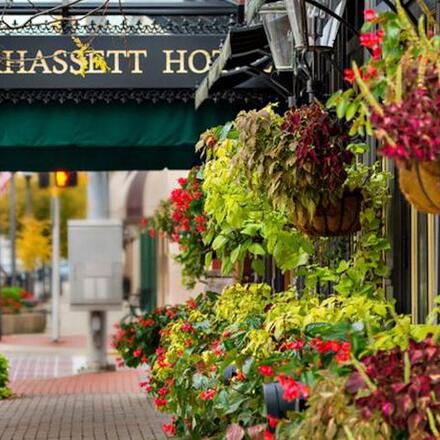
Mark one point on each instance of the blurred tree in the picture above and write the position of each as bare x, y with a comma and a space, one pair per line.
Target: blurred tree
72, 201
33, 243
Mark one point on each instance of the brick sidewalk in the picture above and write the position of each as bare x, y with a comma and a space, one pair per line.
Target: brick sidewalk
128, 416
101, 383
99, 406
43, 365
43, 340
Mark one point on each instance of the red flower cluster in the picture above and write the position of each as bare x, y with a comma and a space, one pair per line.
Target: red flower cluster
160, 403
146, 385
137, 352
25, 295
162, 391
292, 389
217, 348
266, 371
10, 305
161, 358
191, 304
372, 40
137, 339
148, 322
341, 349
370, 15
187, 327
169, 429
272, 421
404, 401
208, 394
292, 345
187, 208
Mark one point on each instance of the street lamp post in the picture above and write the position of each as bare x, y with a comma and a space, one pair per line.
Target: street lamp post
97, 209
12, 228
55, 280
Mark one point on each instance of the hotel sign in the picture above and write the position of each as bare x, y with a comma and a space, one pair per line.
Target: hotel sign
133, 61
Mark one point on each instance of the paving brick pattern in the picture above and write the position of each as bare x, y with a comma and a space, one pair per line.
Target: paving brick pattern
43, 366
43, 340
120, 382
96, 406
128, 416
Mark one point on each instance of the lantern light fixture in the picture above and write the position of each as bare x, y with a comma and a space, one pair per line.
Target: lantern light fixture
315, 24
279, 35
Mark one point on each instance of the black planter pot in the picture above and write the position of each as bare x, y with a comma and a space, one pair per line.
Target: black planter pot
276, 406
229, 373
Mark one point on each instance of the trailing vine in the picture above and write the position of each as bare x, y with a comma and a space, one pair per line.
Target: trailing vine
242, 220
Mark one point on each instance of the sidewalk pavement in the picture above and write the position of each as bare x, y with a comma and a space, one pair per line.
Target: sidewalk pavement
52, 401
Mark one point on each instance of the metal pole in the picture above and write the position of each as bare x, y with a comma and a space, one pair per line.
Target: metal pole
97, 208
1, 284
55, 267
28, 194
12, 228
28, 212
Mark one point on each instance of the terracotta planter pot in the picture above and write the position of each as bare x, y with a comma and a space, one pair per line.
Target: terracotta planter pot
420, 184
341, 218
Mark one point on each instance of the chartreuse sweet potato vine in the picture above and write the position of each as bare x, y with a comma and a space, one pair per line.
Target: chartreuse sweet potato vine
242, 221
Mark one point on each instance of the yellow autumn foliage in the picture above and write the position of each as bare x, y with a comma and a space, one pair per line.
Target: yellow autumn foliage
33, 243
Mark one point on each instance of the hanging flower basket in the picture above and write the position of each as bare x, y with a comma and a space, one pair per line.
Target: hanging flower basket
341, 218
420, 184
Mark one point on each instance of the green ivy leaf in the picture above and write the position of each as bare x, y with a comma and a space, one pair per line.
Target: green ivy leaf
219, 242
257, 249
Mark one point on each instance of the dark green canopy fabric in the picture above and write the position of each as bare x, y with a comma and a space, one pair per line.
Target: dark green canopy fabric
96, 137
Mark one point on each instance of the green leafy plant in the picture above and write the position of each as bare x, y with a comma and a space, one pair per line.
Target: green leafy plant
265, 337
137, 338
183, 221
161, 220
4, 378
15, 299
300, 160
241, 221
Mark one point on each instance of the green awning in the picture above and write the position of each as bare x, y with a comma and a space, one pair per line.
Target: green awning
100, 136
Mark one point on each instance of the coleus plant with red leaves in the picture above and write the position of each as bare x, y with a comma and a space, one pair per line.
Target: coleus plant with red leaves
319, 142
304, 162
312, 159
410, 128
404, 387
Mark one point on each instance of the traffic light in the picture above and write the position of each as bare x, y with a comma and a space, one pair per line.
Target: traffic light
65, 179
